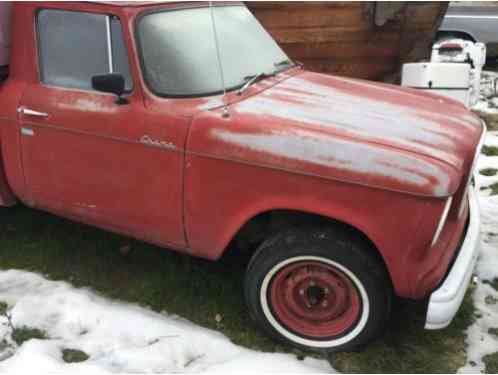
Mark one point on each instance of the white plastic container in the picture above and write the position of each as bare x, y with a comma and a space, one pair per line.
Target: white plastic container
461, 51
446, 79
5, 16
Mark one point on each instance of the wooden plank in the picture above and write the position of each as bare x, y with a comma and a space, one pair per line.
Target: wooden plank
340, 49
313, 35
311, 17
375, 70
331, 35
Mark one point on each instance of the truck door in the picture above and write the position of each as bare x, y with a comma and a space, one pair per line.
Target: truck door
84, 155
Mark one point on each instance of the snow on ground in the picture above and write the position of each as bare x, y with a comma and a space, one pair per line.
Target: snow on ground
487, 106
119, 337
488, 79
480, 340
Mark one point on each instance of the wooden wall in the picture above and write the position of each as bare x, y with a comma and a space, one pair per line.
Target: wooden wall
344, 38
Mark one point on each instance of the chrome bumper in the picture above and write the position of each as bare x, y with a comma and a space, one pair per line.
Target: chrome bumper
445, 301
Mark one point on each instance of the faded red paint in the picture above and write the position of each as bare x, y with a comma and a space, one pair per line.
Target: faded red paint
377, 157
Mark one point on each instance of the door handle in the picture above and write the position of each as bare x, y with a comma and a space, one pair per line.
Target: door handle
29, 112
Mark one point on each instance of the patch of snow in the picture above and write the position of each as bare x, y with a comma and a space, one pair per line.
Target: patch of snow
480, 341
485, 106
487, 103
492, 139
120, 337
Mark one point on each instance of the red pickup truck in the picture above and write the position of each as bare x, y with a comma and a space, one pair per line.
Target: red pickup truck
186, 126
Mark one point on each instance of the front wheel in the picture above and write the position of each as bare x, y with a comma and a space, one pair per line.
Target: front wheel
317, 289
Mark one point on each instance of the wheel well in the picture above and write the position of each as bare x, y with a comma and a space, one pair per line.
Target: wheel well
454, 34
262, 226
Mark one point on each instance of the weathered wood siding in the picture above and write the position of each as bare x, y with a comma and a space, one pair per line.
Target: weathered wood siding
343, 37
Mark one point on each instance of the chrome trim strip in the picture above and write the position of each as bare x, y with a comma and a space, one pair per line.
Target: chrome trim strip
442, 220
109, 43
103, 136
474, 163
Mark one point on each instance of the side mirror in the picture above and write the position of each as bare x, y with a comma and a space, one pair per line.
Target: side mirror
113, 83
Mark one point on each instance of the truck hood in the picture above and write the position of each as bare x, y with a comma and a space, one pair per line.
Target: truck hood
351, 130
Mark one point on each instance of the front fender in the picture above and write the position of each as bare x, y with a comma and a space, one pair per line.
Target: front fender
222, 195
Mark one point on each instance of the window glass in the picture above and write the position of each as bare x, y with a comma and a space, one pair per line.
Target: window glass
119, 52
179, 51
74, 48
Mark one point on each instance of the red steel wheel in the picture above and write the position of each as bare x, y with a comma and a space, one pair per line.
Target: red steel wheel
314, 299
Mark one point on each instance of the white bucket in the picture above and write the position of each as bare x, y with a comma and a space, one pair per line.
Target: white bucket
5, 15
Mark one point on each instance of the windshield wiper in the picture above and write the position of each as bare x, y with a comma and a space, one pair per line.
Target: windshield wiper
286, 62
251, 80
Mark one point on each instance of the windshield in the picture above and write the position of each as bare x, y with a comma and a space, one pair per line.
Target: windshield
179, 52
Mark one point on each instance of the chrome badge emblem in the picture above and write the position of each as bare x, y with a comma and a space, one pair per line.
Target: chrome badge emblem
146, 140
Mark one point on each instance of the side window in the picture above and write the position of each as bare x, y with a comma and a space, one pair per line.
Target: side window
74, 46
